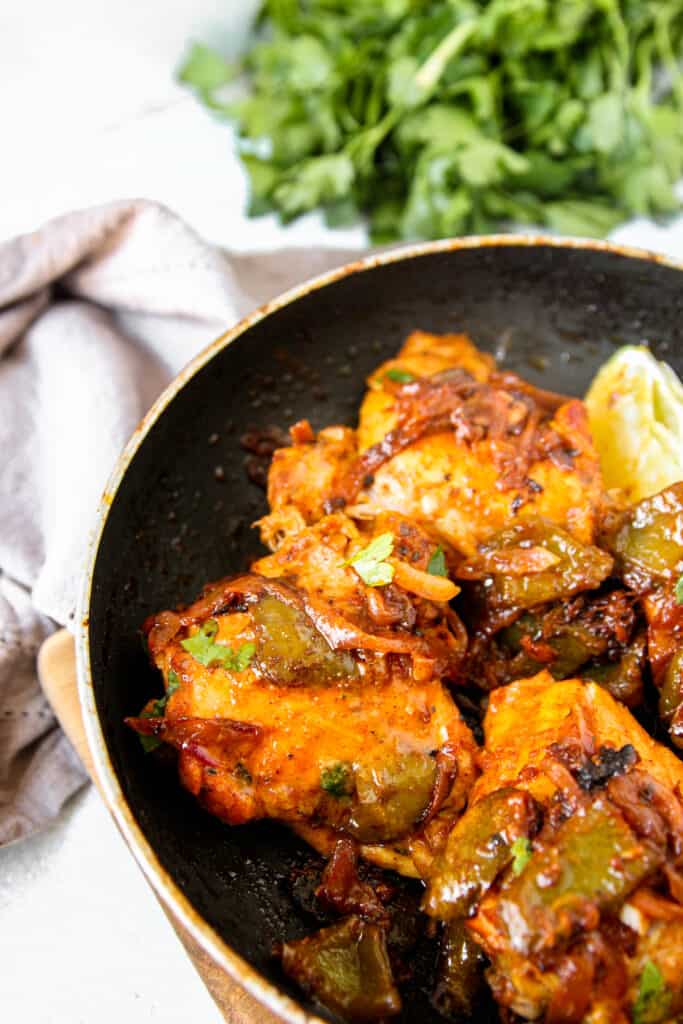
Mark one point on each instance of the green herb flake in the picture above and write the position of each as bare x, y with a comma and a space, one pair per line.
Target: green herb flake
371, 564
157, 710
335, 779
521, 854
149, 743
679, 590
653, 999
203, 649
400, 376
437, 563
243, 656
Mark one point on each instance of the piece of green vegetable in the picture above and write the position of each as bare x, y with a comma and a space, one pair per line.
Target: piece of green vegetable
203, 649
156, 710
679, 590
391, 797
336, 779
346, 966
456, 116
483, 843
437, 563
371, 564
290, 651
400, 376
652, 1002
594, 861
577, 566
521, 854
647, 541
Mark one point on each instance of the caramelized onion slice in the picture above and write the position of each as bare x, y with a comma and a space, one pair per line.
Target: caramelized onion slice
213, 741
432, 588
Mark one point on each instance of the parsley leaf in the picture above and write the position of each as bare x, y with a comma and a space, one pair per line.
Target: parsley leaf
150, 743
206, 71
653, 999
156, 710
678, 592
371, 564
453, 117
203, 649
400, 376
437, 563
336, 779
521, 853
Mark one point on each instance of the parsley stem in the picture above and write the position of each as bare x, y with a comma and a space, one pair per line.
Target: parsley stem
431, 71
663, 20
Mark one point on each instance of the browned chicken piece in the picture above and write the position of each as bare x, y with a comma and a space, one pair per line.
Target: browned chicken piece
302, 478
570, 859
299, 692
472, 456
447, 440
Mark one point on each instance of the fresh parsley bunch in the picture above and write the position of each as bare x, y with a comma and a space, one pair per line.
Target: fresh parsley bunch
459, 116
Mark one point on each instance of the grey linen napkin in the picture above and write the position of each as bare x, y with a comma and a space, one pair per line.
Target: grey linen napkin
99, 309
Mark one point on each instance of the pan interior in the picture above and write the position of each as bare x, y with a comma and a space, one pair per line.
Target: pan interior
182, 514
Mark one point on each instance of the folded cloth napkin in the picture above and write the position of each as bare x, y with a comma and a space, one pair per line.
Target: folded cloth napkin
99, 309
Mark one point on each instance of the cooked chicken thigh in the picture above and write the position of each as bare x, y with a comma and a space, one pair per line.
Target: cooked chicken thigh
301, 693
570, 856
446, 440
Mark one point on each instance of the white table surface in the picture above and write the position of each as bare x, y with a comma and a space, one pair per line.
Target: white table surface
89, 112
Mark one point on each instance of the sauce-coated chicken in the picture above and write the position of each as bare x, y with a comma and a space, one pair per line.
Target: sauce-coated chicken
569, 857
455, 543
447, 440
297, 692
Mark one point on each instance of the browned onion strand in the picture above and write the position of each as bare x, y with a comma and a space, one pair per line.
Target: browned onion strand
512, 414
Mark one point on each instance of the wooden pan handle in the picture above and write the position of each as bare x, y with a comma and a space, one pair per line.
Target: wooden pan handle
57, 672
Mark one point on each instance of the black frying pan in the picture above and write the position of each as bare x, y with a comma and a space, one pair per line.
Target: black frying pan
180, 506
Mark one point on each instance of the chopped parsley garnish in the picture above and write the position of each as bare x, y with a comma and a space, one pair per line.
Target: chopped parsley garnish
521, 854
243, 656
173, 683
203, 649
157, 710
400, 376
371, 564
336, 779
653, 999
679, 590
437, 563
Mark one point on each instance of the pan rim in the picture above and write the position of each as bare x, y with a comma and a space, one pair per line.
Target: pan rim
172, 897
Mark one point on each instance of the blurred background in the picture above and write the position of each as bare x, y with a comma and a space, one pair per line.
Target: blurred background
91, 111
